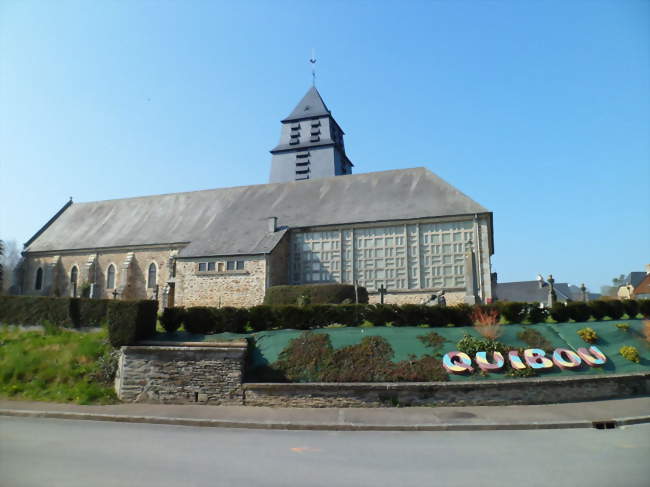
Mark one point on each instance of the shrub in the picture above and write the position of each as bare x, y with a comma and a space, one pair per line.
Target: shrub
293, 317
513, 312
631, 308
261, 317
615, 309
201, 319
381, 314
130, 321
578, 311
536, 314
425, 369
623, 326
461, 314
172, 318
232, 319
599, 309
311, 358
644, 307
470, 345
314, 294
367, 361
306, 357
589, 335
412, 315
560, 312
534, 339
432, 340
630, 353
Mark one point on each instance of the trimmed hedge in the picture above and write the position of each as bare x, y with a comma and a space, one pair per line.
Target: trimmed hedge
67, 312
130, 321
644, 307
171, 319
314, 294
35, 310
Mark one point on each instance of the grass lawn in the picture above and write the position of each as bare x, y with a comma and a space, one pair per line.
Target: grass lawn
59, 366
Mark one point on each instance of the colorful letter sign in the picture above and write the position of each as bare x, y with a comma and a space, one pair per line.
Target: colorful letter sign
457, 362
482, 361
566, 359
535, 358
593, 357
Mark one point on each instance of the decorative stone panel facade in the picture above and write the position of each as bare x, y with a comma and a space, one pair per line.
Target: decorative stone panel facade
475, 393
204, 373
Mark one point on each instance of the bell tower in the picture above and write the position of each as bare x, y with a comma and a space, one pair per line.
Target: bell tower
311, 144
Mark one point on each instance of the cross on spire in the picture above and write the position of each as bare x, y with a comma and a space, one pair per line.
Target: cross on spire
312, 60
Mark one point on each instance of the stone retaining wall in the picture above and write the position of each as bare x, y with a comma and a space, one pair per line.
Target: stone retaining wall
487, 392
182, 373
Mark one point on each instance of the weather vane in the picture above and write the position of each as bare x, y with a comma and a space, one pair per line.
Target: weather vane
312, 60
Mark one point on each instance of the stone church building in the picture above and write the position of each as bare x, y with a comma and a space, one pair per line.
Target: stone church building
314, 222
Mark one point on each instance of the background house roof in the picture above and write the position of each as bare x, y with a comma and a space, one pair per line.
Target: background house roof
530, 291
233, 221
643, 287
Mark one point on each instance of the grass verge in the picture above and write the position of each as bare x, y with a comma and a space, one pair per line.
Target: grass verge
56, 365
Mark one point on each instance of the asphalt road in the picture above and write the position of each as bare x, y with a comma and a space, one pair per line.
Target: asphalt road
53, 452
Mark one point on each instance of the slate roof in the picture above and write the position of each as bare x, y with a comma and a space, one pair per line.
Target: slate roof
311, 105
634, 278
233, 221
530, 292
643, 287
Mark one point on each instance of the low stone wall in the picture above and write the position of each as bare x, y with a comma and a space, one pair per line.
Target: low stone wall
487, 392
181, 373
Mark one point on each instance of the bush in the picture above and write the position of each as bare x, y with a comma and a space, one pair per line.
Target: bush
589, 335
630, 353
560, 313
513, 312
644, 307
130, 321
172, 318
535, 314
578, 311
293, 317
470, 345
623, 326
311, 358
615, 309
460, 314
233, 320
201, 320
599, 309
261, 318
315, 294
631, 308
534, 339
381, 314
412, 315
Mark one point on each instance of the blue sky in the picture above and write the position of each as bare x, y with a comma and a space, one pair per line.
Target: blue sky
540, 111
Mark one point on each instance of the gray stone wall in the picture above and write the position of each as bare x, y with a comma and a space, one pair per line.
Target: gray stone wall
483, 393
182, 374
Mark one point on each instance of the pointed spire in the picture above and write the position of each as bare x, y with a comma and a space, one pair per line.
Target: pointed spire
311, 105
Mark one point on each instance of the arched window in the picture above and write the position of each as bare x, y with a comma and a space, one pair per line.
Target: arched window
110, 277
38, 284
151, 281
73, 280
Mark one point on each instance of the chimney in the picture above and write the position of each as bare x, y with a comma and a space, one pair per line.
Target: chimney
273, 224
647, 268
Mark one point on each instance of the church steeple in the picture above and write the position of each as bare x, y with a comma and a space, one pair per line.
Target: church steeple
311, 143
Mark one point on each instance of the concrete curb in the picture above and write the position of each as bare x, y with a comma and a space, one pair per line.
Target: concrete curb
217, 423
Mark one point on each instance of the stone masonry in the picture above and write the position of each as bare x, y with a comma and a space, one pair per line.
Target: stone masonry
182, 373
